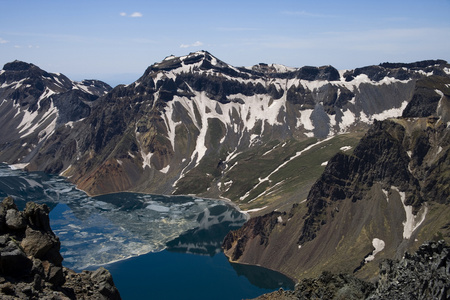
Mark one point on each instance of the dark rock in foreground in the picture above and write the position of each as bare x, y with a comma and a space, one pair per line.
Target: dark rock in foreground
423, 275
31, 265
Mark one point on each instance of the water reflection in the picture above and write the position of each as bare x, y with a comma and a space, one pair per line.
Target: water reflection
207, 240
264, 278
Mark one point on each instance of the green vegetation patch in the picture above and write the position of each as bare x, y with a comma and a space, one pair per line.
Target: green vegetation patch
293, 178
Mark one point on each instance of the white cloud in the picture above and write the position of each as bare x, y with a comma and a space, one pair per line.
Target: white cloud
196, 44
136, 14
2, 41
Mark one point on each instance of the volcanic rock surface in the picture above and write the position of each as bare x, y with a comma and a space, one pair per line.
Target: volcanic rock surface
423, 275
31, 265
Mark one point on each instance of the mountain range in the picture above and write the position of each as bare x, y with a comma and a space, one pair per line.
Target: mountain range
339, 169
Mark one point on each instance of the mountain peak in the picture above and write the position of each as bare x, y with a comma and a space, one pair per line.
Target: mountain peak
200, 58
18, 65
199, 61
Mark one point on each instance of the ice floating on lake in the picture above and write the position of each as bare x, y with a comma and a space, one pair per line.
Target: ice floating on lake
158, 208
108, 228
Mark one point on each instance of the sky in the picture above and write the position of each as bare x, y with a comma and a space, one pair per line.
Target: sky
115, 41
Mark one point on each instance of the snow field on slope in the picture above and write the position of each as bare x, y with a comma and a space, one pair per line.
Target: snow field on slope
256, 108
412, 221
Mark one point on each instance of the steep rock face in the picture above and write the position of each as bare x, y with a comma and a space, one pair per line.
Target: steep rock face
30, 262
389, 195
182, 126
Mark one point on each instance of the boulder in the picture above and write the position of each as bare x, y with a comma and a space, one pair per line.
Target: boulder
31, 264
15, 220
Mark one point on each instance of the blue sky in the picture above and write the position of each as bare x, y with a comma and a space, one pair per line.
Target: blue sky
116, 41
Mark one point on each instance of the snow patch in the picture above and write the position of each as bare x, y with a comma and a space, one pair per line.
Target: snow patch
170, 124
314, 84
146, 159
345, 148
324, 163
267, 152
18, 166
391, 113
305, 119
439, 92
254, 209
348, 119
378, 245
65, 170
386, 194
165, 169
412, 221
280, 219
255, 109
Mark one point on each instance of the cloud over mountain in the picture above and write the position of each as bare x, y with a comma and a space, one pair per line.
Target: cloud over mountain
196, 44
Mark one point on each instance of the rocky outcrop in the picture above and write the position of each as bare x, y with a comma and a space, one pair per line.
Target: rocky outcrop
327, 286
31, 265
259, 227
423, 275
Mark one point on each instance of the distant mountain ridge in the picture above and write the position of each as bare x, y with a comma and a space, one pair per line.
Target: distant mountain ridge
184, 125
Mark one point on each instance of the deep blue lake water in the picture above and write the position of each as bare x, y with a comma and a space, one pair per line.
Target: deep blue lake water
156, 247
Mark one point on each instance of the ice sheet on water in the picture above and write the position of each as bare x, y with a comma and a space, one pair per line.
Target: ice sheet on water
158, 208
103, 229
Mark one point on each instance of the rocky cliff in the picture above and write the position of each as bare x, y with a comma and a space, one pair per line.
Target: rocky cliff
422, 275
389, 195
34, 104
193, 124
30, 262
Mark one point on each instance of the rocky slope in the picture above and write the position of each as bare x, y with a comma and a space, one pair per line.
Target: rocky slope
390, 195
30, 262
194, 125
34, 104
423, 275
